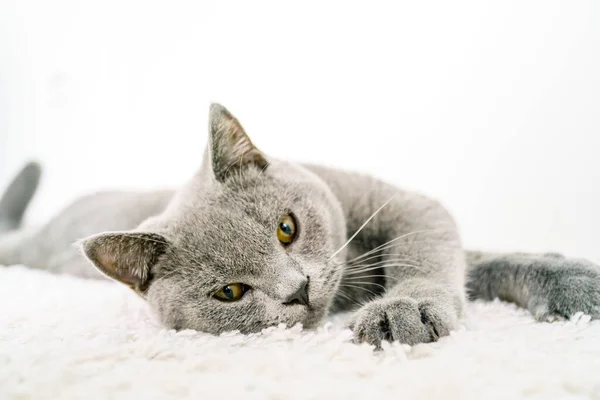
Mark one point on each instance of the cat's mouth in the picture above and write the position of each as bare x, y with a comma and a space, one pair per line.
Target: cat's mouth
316, 310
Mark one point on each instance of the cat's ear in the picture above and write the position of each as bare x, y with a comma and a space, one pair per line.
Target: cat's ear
126, 257
230, 147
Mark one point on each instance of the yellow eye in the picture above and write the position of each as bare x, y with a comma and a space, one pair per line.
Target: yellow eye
286, 231
231, 292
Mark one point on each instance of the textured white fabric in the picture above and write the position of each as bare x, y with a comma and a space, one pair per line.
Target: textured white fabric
62, 337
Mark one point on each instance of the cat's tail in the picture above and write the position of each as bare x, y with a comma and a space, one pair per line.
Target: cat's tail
17, 196
549, 285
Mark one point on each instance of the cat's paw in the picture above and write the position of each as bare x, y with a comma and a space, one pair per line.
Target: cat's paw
567, 291
403, 319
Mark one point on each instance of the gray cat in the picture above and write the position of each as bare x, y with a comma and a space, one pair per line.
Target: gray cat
252, 241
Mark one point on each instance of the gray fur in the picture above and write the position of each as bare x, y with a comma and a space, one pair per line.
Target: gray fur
403, 274
549, 285
17, 197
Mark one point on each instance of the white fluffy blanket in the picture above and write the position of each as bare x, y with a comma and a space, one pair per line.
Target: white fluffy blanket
62, 337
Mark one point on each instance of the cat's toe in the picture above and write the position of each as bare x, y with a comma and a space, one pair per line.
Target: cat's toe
554, 318
438, 318
403, 319
568, 295
371, 324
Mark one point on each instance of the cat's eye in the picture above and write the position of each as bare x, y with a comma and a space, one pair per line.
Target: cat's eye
286, 230
231, 292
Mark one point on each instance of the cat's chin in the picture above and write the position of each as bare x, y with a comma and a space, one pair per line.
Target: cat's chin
309, 319
314, 318
313, 322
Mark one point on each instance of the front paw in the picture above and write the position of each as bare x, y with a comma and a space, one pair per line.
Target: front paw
403, 319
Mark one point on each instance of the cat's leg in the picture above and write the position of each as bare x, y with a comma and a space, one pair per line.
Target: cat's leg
405, 265
423, 266
549, 285
424, 295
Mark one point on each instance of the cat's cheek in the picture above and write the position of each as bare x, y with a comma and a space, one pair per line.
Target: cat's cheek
175, 311
168, 305
323, 282
168, 316
276, 313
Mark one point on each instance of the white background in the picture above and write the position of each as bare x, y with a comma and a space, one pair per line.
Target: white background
493, 108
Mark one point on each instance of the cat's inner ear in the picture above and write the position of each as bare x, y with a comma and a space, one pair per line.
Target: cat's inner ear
230, 147
126, 256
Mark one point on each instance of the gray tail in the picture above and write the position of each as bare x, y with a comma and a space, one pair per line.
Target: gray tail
17, 196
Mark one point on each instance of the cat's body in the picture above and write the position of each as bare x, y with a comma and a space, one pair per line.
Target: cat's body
405, 272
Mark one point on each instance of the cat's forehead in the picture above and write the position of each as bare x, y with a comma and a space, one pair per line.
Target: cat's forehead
227, 237
234, 214
230, 242
262, 194
241, 218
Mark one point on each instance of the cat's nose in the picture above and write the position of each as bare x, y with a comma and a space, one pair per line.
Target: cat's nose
300, 296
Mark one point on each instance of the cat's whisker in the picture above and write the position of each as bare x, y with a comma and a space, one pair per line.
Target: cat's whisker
361, 267
371, 252
404, 260
347, 297
384, 245
391, 265
353, 261
420, 261
361, 228
389, 257
406, 257
369, 283
351, 278
346, 285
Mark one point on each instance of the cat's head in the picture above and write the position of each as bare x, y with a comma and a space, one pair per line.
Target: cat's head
246, 244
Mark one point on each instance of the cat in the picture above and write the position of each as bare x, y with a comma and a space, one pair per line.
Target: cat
253, 241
